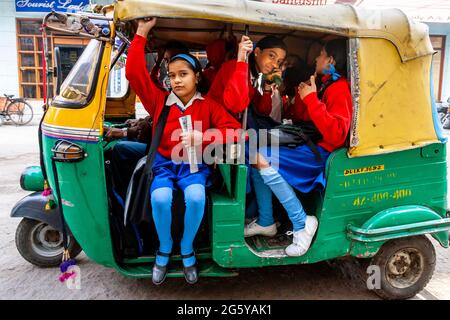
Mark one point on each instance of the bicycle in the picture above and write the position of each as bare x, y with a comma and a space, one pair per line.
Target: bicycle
18, 110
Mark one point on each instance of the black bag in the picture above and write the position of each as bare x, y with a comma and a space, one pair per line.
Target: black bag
292, 135
125, 239
137, 207
258, 121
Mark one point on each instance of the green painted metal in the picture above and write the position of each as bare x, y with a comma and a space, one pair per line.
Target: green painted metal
357, 190
442, 237
84, 199
83, 193
367, 201
151, 259
109, 145
225, 171
32, 179
207, 268
399, 222
413, 179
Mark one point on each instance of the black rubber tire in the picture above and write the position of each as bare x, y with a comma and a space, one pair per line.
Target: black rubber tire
23, 244
420, 243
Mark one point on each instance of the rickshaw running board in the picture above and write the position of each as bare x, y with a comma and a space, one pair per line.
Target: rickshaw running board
151, 259
205, 269
413, 229
269, 247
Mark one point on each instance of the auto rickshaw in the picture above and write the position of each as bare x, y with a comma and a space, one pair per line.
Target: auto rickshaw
386, 191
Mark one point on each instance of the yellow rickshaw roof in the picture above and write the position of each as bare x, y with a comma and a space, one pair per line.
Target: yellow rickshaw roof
409, 36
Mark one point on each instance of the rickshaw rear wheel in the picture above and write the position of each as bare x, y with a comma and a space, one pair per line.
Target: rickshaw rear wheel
41, 244
406, 266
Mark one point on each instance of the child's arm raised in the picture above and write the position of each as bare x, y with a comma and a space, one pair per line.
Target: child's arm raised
230, 85
136, 69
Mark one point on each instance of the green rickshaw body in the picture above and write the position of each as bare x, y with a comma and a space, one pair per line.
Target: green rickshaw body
374, 192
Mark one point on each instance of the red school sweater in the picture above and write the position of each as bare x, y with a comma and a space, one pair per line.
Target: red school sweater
209, 112
232, 88
332, 115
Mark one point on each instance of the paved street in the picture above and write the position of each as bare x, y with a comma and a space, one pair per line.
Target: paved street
21, 280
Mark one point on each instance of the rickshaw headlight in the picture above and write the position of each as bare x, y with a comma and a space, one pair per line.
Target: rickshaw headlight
65, 151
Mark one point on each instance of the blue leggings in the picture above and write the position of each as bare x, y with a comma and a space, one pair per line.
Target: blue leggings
161, 200
268, 180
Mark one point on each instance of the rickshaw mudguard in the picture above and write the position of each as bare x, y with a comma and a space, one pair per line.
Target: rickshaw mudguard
33, 207
397, 222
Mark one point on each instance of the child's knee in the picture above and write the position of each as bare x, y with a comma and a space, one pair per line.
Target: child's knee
161, 197
195, 194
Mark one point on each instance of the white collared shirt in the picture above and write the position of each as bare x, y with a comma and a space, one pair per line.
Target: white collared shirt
173, 99
257, 82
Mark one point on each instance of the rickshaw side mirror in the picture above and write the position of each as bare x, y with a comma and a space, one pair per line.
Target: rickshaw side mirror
57, 69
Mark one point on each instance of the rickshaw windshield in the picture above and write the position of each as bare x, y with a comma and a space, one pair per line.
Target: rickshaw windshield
76, 88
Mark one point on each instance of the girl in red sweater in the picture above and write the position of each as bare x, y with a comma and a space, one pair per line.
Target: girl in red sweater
185, 99
329, 107
234, 84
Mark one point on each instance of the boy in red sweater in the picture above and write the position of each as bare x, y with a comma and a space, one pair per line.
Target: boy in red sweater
185, 99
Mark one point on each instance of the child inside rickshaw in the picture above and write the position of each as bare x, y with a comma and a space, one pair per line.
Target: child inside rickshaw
127, 152
235, 86
185, 98
329, 107
219, 51
239, 84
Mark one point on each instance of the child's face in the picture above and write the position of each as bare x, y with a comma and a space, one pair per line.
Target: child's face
322, 61
182, 79
269, 59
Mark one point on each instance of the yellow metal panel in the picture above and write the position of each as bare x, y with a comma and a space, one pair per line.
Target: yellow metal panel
394, 111
121, 107
410, 37
90, 116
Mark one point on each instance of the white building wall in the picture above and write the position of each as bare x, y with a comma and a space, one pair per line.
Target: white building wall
9, 79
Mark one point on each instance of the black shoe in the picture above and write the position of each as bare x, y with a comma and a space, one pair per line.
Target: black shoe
190, 273
159, 273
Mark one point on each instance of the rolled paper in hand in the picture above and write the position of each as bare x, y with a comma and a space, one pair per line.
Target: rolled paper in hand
186, 126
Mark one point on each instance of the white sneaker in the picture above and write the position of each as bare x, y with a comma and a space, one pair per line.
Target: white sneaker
302, 238
253, 229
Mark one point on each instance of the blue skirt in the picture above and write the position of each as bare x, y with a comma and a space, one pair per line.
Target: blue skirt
167, 173
299, 166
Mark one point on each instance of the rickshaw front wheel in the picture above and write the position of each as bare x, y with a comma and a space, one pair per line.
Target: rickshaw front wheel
406, 266
41, 244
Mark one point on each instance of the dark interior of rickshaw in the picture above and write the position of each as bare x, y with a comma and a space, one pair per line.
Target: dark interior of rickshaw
196, 34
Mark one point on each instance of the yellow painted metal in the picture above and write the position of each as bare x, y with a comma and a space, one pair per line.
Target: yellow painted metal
395, 110
392, 99
409, 37
90, 116
124, 107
